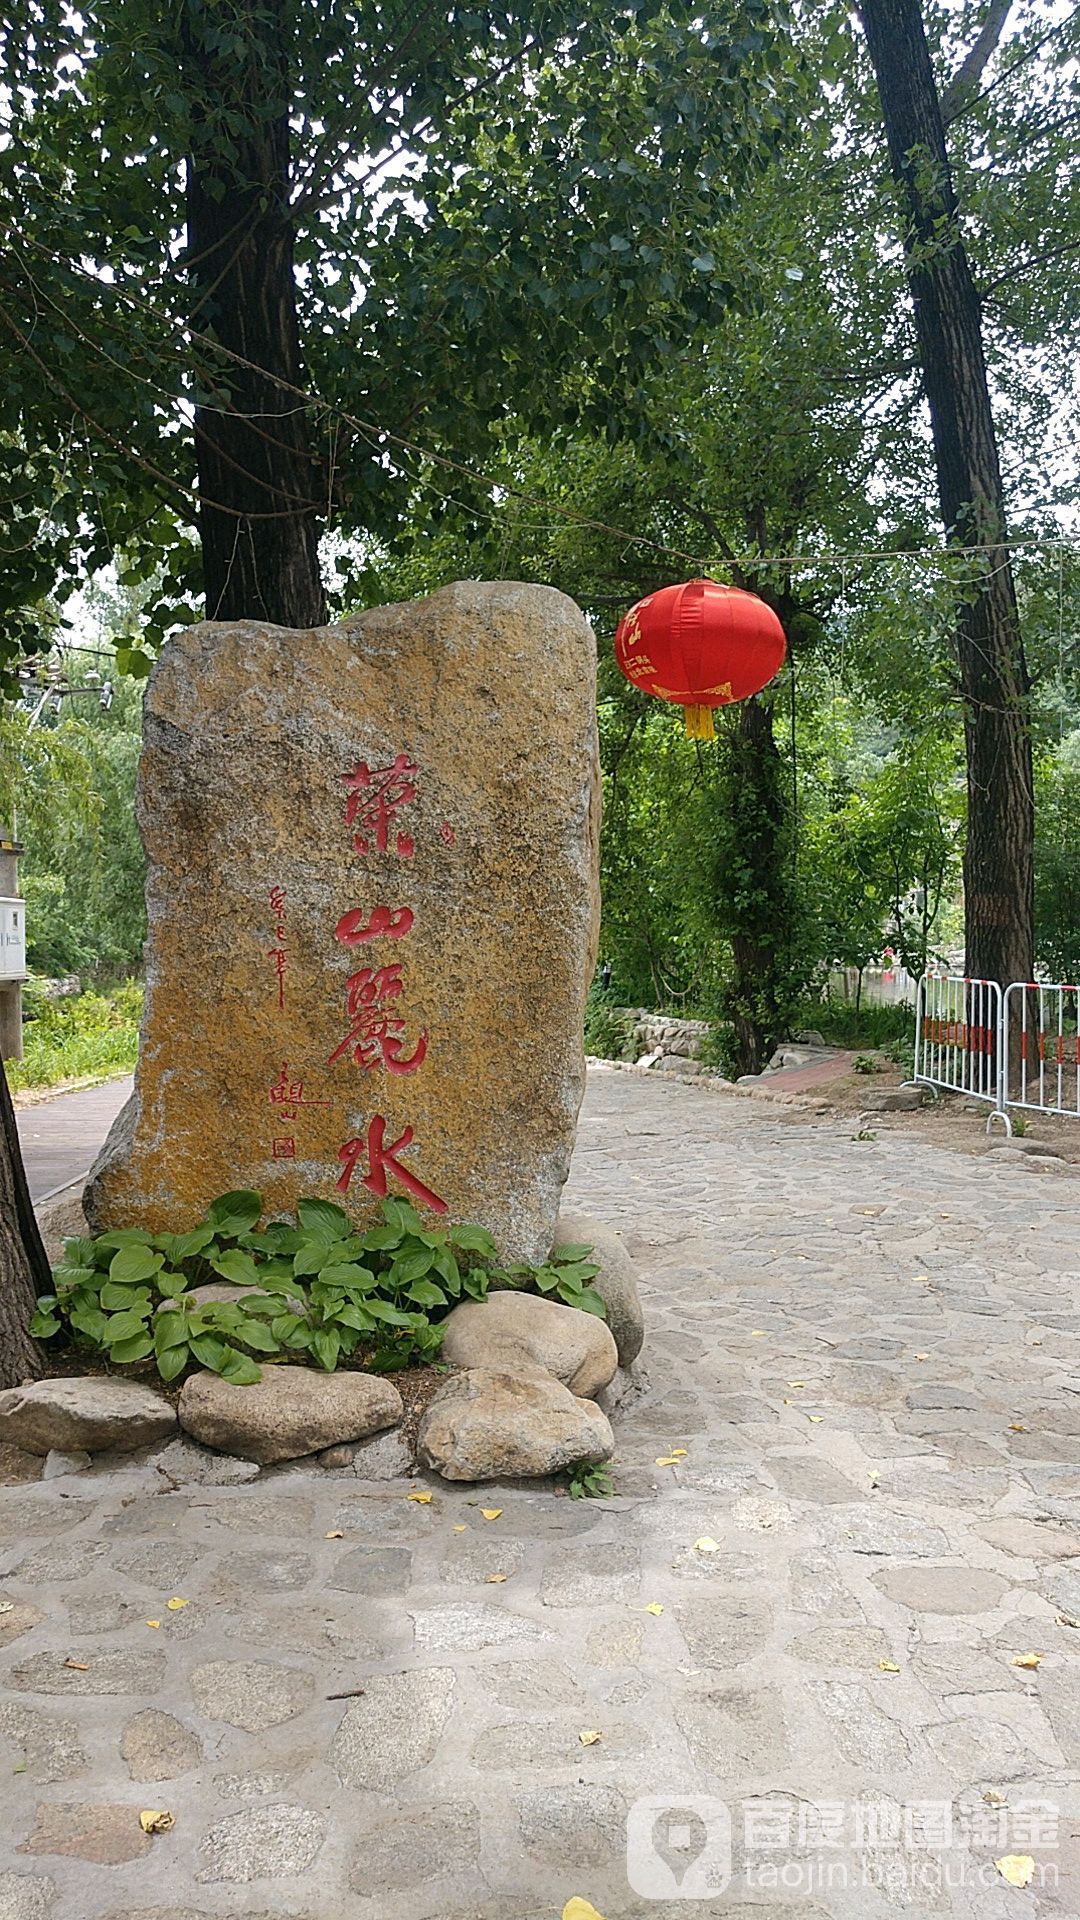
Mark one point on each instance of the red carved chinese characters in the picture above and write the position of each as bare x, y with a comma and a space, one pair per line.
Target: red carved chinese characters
377, 1038
284, 1147
376, 797
279, 953
382, 1160
287, 1097
386, 923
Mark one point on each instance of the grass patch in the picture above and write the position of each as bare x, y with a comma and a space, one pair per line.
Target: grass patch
87, 1037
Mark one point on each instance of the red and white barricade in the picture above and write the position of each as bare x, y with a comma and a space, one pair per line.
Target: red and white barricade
958, 1036
1040, 1047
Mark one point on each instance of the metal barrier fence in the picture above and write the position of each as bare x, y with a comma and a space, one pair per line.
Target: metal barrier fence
1040, 1048
958, 1037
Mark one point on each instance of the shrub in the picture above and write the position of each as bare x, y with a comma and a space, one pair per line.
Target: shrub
316, 1292
609, 1031
90, 1035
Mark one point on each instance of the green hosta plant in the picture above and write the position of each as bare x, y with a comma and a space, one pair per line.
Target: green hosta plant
316, 1292
566, 1275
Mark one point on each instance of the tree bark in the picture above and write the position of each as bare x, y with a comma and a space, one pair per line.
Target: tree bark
24, 1265
999, 852
261, 492
755, 998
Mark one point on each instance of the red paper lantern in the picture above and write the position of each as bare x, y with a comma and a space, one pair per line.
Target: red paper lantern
702, 646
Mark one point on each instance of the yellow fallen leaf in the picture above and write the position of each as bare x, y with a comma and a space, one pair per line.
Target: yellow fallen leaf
156, 1820
490, 1513
796, 1383
1067, 1620
654, 1607
7, 1606
787, 1403
815, 1419
678, 1453
176, 1604
1016, 1868
79, 1666
757, 1333
335, 1533
872, 1478
706, 1544
422, 1499
888, 1666
920, 1276
922, 1356
578, 1909
590, 1736
1030, 1660
461, 1527
1016, 1427
667, 1459
495, 1579
153, 1623
993, 1799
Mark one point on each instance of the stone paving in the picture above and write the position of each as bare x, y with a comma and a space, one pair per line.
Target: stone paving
870, 1353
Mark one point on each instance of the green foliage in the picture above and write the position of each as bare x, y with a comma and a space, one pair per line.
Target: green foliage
865, 1063
609, 1033
566, 1276
590, 1483
1057, 861
318, 1292
83, 1037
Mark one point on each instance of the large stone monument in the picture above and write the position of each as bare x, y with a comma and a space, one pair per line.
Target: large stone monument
373, 908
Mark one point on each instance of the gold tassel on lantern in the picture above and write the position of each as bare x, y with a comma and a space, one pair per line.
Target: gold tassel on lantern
699, 723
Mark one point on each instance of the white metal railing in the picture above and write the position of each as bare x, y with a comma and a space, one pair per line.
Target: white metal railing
1040, 1048
958, 1036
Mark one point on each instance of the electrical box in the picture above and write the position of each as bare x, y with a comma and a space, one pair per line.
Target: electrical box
12, 940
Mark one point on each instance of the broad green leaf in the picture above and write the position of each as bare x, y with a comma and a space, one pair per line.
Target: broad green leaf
573, 1252
399, 1214
382, 1310
349, 1275
235, 1213
125, 1326
171, 1361
170, 1330
125, 1299
238, 1369
88, 1319
171, 1285
68, 1278
254, 1333
134, 1263
426, 1294
310, 1259
44, 1325
123, 1352
326, 1347
323, 1218
178, 1247
381, 1239
411, 1266
79, 1252
237, 1266
208, 1351
285, 1325
123, 1237
354, 1316
474, 1240
591, 1302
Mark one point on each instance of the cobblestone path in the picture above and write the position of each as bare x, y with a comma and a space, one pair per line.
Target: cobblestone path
870, 1353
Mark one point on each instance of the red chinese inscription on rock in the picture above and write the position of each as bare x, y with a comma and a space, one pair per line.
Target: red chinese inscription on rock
385, 923
279, 953
287, 1096
377, 1037
381, 1161
375, 798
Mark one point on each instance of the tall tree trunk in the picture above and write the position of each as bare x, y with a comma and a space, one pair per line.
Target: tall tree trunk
756, 882
262, 498
998, 858
24, 1265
